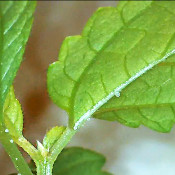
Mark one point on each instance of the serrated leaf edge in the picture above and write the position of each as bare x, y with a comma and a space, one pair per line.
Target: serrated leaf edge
117, 90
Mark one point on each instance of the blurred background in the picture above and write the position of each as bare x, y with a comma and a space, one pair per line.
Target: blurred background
128, 151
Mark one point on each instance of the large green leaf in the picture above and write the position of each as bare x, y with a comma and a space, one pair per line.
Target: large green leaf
79, 161
150, 100
15, 25
117, 46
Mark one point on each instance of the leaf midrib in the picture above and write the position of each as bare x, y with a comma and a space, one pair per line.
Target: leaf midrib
74, 91
4, 91
97, 54
1, 49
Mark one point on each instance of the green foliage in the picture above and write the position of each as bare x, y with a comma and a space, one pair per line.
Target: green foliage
13, 116
79, 161
15, 25
120, 68
118, 46
52, 136
150, 100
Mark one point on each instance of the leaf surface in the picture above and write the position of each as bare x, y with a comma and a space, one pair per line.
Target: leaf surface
116, 52
79, 161
52, 136
13, 115
15, 24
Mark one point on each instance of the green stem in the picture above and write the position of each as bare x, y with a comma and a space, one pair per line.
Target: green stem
44, 167
12, 150
61, 143
29, 148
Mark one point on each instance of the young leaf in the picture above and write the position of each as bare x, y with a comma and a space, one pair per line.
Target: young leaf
117, 46
13, 116
52, 136
79, 161
15, 25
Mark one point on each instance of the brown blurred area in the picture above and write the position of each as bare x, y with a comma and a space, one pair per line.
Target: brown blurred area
129, 151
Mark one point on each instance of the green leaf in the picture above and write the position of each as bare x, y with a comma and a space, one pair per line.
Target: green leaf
79, 161
13, 115
118, 46
150, 100
52, 136
15, 24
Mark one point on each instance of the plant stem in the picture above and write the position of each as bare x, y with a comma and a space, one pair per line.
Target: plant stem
45, 164
44, 167
12, 150
29, 148
60, 144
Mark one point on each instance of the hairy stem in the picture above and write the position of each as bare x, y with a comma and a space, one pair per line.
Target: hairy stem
61, 143
29, 148
12, 150
44, 167
45, 163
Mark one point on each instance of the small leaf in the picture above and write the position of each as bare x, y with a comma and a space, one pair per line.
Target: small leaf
44, 152
13, 116
52, 136
100, 67
15, 24
79, 161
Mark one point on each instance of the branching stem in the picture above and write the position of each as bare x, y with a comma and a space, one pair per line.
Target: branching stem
45, 168
61, 143
29, 148
12, 150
